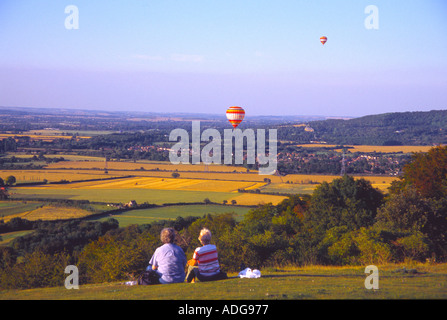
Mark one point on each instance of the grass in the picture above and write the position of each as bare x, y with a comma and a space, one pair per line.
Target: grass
312, 282
295, 188
123, 195
48, 212
145, 216
9, 236
11, 208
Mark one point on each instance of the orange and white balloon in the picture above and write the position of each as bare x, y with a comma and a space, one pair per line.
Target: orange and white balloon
323, 40
235, 115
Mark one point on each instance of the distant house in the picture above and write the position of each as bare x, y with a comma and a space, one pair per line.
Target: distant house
308, 129
131, 204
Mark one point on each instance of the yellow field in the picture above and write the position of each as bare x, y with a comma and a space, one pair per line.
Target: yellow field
24, 176
364, 148
121, 165
38, 136
73, 175
159, 184
303, 178
227, 180
50, 213
253, 199
380, 182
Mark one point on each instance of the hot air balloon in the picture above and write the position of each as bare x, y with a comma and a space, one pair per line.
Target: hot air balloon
235, 115
323, 40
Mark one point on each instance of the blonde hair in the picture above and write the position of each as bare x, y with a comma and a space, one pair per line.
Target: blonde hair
205, 236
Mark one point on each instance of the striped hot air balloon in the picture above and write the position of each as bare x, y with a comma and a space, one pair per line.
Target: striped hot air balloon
235, 115
323, 40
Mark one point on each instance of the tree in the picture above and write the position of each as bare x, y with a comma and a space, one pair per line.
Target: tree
175, 175
414, 247
404, 212
427, 172
343, 202
409, 214
10, 180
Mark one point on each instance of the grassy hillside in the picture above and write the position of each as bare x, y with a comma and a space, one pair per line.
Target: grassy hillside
420, 281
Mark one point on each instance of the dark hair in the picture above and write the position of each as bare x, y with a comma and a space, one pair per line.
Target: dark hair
167, 235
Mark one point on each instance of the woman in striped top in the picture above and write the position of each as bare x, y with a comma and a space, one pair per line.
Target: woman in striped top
204, 265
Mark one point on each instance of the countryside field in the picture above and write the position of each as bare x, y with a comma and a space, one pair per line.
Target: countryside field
144, 165
152, 182
147, 216
367, 149
125, 181
308, 282
160, 184
31, 176
48, 212
42, 137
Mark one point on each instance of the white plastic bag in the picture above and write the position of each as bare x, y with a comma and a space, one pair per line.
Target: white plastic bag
248, 273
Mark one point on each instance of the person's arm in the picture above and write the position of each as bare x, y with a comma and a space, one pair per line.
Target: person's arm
153, 261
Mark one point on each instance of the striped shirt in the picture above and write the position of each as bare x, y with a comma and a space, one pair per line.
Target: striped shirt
206, 258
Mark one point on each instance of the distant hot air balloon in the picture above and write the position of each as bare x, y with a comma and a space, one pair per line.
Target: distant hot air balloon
323, 40
235, 115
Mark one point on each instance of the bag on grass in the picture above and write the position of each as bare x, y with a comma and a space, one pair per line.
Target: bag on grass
148, 277
249, 273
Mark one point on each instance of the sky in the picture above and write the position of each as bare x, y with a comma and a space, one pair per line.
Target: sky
202, 56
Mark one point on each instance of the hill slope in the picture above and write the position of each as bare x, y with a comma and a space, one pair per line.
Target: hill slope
400, 128
313, 282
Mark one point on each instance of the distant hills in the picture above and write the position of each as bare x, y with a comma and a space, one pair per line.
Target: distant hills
146, 115
398, 128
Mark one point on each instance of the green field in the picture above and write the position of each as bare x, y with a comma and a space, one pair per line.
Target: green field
152, 196
8, 237
15, 207
313, 282
145, 216
285, 188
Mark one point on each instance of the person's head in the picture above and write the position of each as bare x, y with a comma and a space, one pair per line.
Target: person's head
205, 236
167, 235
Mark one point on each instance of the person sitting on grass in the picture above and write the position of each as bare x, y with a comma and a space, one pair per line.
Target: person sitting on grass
204, 265
169, 260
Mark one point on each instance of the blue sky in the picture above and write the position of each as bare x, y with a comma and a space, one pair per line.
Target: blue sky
203, 56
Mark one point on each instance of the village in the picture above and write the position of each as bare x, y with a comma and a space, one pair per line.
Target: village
332, 162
